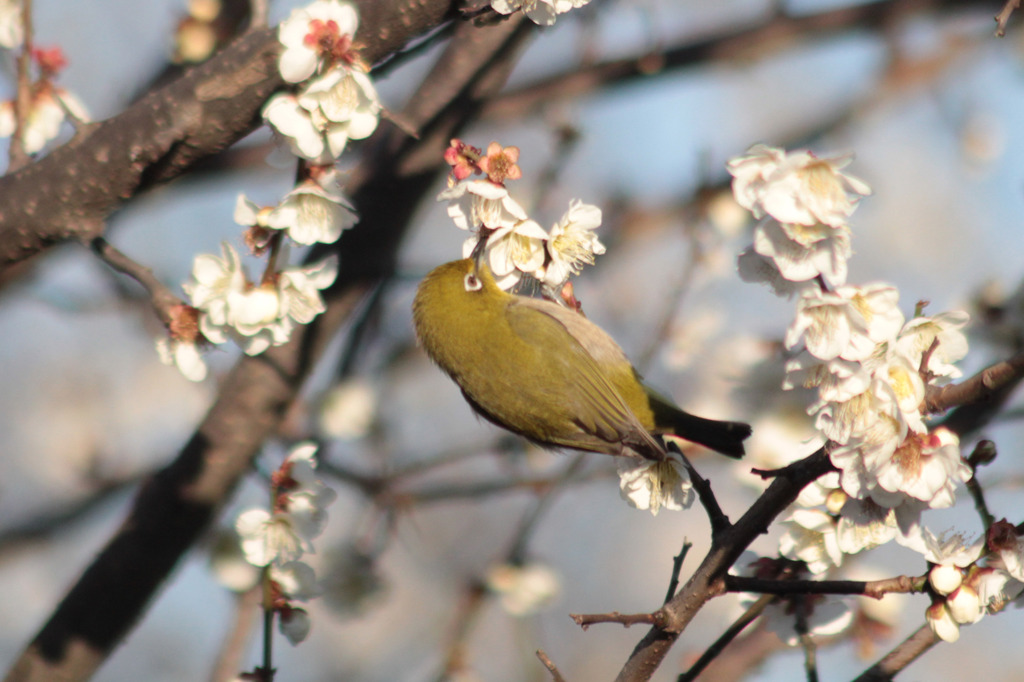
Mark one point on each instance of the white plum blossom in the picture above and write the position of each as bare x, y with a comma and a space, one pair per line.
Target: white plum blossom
826, 616
267, 537
837, 379
512, 250
309, 134
214, 280
296, 579
811, 537
655, 485
46, 113
945, 579
294, 624
825, 492
947, 549
942, 623
870, 417
847, 323
481, 203
795, 187
11, 31
311, 213
300, 469
965, 606
300, 288
184, 355
348, 410
864, 524
543, 12
803, 252
945, 330
757, 269
264, 315
572, 243
315, 36
345, 98
926, 467
523, 589
255, 316
1007, 549
249, 213
994, 585
299, 515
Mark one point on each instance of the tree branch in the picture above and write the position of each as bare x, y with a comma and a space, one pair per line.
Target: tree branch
69, 193
708, 580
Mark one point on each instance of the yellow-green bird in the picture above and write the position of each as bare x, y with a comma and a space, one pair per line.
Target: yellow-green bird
547, 373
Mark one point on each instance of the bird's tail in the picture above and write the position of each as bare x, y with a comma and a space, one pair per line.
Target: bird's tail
720, 436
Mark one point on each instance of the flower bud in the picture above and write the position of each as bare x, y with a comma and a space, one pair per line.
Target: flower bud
945, 579
942, 623
965, 606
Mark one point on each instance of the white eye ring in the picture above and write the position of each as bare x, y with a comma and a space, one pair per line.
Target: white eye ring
472, 282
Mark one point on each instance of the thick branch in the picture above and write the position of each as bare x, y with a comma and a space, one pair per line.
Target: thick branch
70, 193
979, 398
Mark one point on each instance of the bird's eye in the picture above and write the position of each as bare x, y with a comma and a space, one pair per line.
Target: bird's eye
472, 282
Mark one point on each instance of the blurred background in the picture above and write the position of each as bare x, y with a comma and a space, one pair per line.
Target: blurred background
922, 92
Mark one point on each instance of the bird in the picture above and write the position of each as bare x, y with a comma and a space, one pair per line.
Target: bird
548, 373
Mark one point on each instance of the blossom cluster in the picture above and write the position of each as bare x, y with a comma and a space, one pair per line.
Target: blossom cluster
515, 245
543, 12
49, 105
969, 579
278, 539
334, 101
870, 368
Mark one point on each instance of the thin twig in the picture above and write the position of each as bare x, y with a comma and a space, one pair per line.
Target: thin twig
549, 664
585, 620
677, 566
803, 607
161, 297
1003, 18
871, 588
23, 103
739, 625
719, 521
984, 452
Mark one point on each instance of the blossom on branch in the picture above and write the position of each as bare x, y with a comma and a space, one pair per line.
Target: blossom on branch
796, 187
645, 484
256, 316
316, 36
473, 204
543, 12
312, 213
572, 243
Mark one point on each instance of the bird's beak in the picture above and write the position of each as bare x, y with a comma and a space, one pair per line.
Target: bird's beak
478, 254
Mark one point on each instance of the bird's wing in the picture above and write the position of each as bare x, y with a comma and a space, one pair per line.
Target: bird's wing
597, 407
